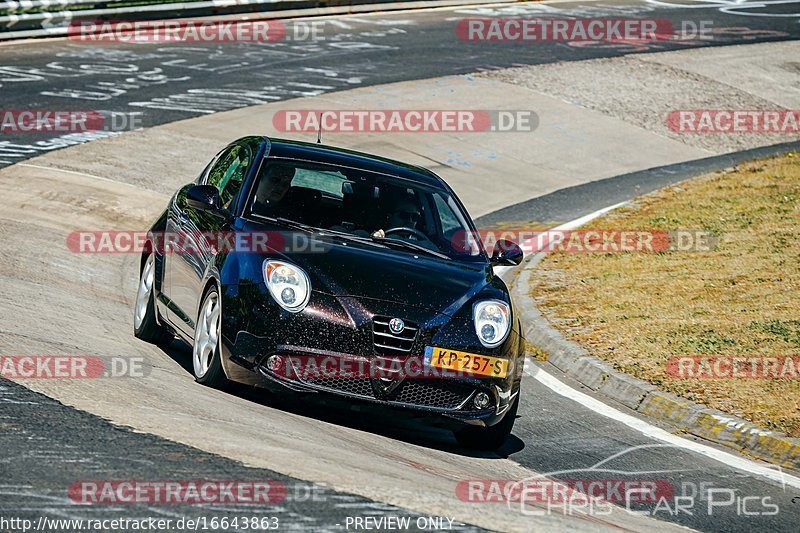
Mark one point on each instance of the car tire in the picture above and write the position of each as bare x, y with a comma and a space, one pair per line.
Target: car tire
206, 351
491, 438
145, 321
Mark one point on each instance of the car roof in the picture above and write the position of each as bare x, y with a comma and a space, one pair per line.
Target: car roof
349, 158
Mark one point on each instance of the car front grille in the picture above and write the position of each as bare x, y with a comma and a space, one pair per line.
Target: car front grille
356, 386
388, 343
422, 392
432, 393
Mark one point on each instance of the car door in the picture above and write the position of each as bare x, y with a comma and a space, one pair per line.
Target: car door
196, 232
174, 214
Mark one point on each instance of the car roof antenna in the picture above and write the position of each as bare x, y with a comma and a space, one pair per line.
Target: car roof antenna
319, 131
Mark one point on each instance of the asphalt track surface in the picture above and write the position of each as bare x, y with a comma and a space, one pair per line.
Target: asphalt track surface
46, 448
165, 83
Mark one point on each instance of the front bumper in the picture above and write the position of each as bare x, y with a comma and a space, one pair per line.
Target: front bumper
442, 397
342, 328
452, 398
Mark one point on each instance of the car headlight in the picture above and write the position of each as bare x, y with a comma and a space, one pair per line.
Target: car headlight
288, 285
492, 321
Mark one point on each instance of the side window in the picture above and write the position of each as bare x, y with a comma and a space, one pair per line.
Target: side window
446, 216
228, 173
454, 226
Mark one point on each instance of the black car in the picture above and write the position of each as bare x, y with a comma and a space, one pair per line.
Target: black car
310, 268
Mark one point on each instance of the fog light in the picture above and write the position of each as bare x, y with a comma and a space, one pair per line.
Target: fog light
482, 400
274, 363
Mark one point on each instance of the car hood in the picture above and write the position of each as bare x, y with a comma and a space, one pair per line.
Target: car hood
347, 269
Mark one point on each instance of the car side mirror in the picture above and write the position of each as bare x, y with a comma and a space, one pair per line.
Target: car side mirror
506, 253
204, 198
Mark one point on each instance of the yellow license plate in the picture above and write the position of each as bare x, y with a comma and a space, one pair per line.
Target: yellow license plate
479, 365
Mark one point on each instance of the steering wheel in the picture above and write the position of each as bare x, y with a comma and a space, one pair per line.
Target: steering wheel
410, 231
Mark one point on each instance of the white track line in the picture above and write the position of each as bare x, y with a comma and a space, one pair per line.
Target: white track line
648, 430
653, 432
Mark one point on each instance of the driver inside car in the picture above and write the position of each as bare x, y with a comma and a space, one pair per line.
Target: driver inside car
405, 214
275, 183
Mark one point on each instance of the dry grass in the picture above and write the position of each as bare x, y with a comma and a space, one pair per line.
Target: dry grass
535, 352
638, 310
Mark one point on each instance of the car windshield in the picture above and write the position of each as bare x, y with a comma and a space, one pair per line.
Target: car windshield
365, 205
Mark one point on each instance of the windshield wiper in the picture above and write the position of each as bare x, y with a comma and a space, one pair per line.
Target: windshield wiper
294, 224
349, 236
388, 243
409, 246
